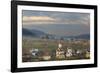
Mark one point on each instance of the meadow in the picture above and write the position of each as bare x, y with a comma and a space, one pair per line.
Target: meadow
48, 47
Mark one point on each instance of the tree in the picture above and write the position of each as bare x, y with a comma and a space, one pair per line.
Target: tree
47, 37
62, 38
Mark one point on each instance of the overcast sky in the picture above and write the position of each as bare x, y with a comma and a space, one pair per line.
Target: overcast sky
80, 22
45, 17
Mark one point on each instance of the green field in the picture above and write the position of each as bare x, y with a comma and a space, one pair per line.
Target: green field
50, 46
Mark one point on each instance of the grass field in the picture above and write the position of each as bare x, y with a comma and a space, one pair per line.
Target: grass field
50, 46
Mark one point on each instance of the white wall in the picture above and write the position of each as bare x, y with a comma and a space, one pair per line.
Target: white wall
5, 36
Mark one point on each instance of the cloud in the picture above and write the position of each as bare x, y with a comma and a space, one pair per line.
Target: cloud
34, 20
31, 17
37, 18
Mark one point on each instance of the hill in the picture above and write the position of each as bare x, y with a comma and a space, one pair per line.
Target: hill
32, 32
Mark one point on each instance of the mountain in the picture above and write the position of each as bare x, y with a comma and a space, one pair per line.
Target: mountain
61, 29
83, 36
32, 32
38, 34
26, 32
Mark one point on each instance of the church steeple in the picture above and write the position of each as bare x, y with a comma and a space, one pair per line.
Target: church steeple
60, 52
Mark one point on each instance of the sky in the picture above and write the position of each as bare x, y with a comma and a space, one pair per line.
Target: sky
58, 23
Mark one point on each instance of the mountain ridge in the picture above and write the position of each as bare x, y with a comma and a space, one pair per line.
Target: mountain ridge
39, 34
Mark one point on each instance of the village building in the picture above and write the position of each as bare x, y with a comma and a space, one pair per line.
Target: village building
46, 55
87, 54
78, 52
60, 54
69, 52
34, 52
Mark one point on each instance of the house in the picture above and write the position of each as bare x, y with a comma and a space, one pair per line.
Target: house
87, 54
34, 51
46, 55
69, 52
78, 52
